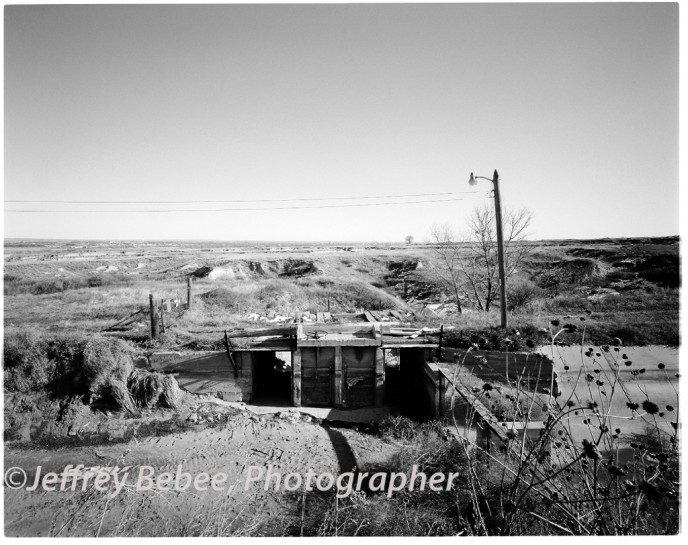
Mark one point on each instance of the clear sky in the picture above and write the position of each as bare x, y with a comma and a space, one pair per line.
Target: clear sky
576, 105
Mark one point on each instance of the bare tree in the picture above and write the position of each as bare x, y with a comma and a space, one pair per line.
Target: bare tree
468, 266
449, 268
409, 239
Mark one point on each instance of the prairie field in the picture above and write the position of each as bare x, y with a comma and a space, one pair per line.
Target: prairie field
630, 287
76, 318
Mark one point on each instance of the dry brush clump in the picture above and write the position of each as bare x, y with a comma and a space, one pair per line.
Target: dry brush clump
564, 483
150, 389
98, 370
107, 364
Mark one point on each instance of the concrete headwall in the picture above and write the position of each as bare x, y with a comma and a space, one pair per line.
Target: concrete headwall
208, 372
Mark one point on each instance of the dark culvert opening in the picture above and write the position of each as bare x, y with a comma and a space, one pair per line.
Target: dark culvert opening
272, 374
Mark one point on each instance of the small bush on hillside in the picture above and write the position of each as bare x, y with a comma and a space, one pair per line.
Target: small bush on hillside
228, 298
565, 303
360, 295
572, 271
521, 294
14, 285
298, 267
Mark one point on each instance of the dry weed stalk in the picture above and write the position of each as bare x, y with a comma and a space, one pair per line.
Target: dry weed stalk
572, 486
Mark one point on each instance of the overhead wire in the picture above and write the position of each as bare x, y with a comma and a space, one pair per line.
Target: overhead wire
254, 209
186, 201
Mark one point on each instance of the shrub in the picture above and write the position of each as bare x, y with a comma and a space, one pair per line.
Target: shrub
26, 365
107, 364
361, 295
95, 368
521, 294
14, 285
154, 389
298, 267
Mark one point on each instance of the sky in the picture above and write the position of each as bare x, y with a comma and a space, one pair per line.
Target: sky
576, 106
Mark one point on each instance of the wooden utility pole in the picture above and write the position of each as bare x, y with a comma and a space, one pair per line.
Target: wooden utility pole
188, 292
500, 250
153, 318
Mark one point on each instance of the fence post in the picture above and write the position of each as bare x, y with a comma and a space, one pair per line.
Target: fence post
439, 350
442, 386
153, 318
188, 292
162, 316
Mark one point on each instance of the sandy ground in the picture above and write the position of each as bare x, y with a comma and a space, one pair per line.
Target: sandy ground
289, 441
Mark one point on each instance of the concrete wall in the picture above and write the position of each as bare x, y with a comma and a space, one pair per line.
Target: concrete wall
208, 372
358, 375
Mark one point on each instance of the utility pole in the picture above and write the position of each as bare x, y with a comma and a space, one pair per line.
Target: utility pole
188, 292
500, 242
500, 249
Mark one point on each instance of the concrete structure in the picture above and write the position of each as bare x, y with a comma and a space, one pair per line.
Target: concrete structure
345, 367
313, 365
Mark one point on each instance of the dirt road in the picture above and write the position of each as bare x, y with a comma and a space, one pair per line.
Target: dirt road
288, 441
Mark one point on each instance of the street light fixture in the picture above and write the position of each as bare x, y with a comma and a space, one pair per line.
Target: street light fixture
473, 180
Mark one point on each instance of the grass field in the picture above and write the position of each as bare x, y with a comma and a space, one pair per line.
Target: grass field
627, 288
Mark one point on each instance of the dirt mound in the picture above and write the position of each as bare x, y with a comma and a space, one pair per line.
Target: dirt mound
298, 267
403, 267
656, 262
225, 272
595, 253
201, 272
256, 267
408, 279
215, 273
663, 270
570, 271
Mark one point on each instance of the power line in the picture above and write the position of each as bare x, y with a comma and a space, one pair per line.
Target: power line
243, 200
158, 211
